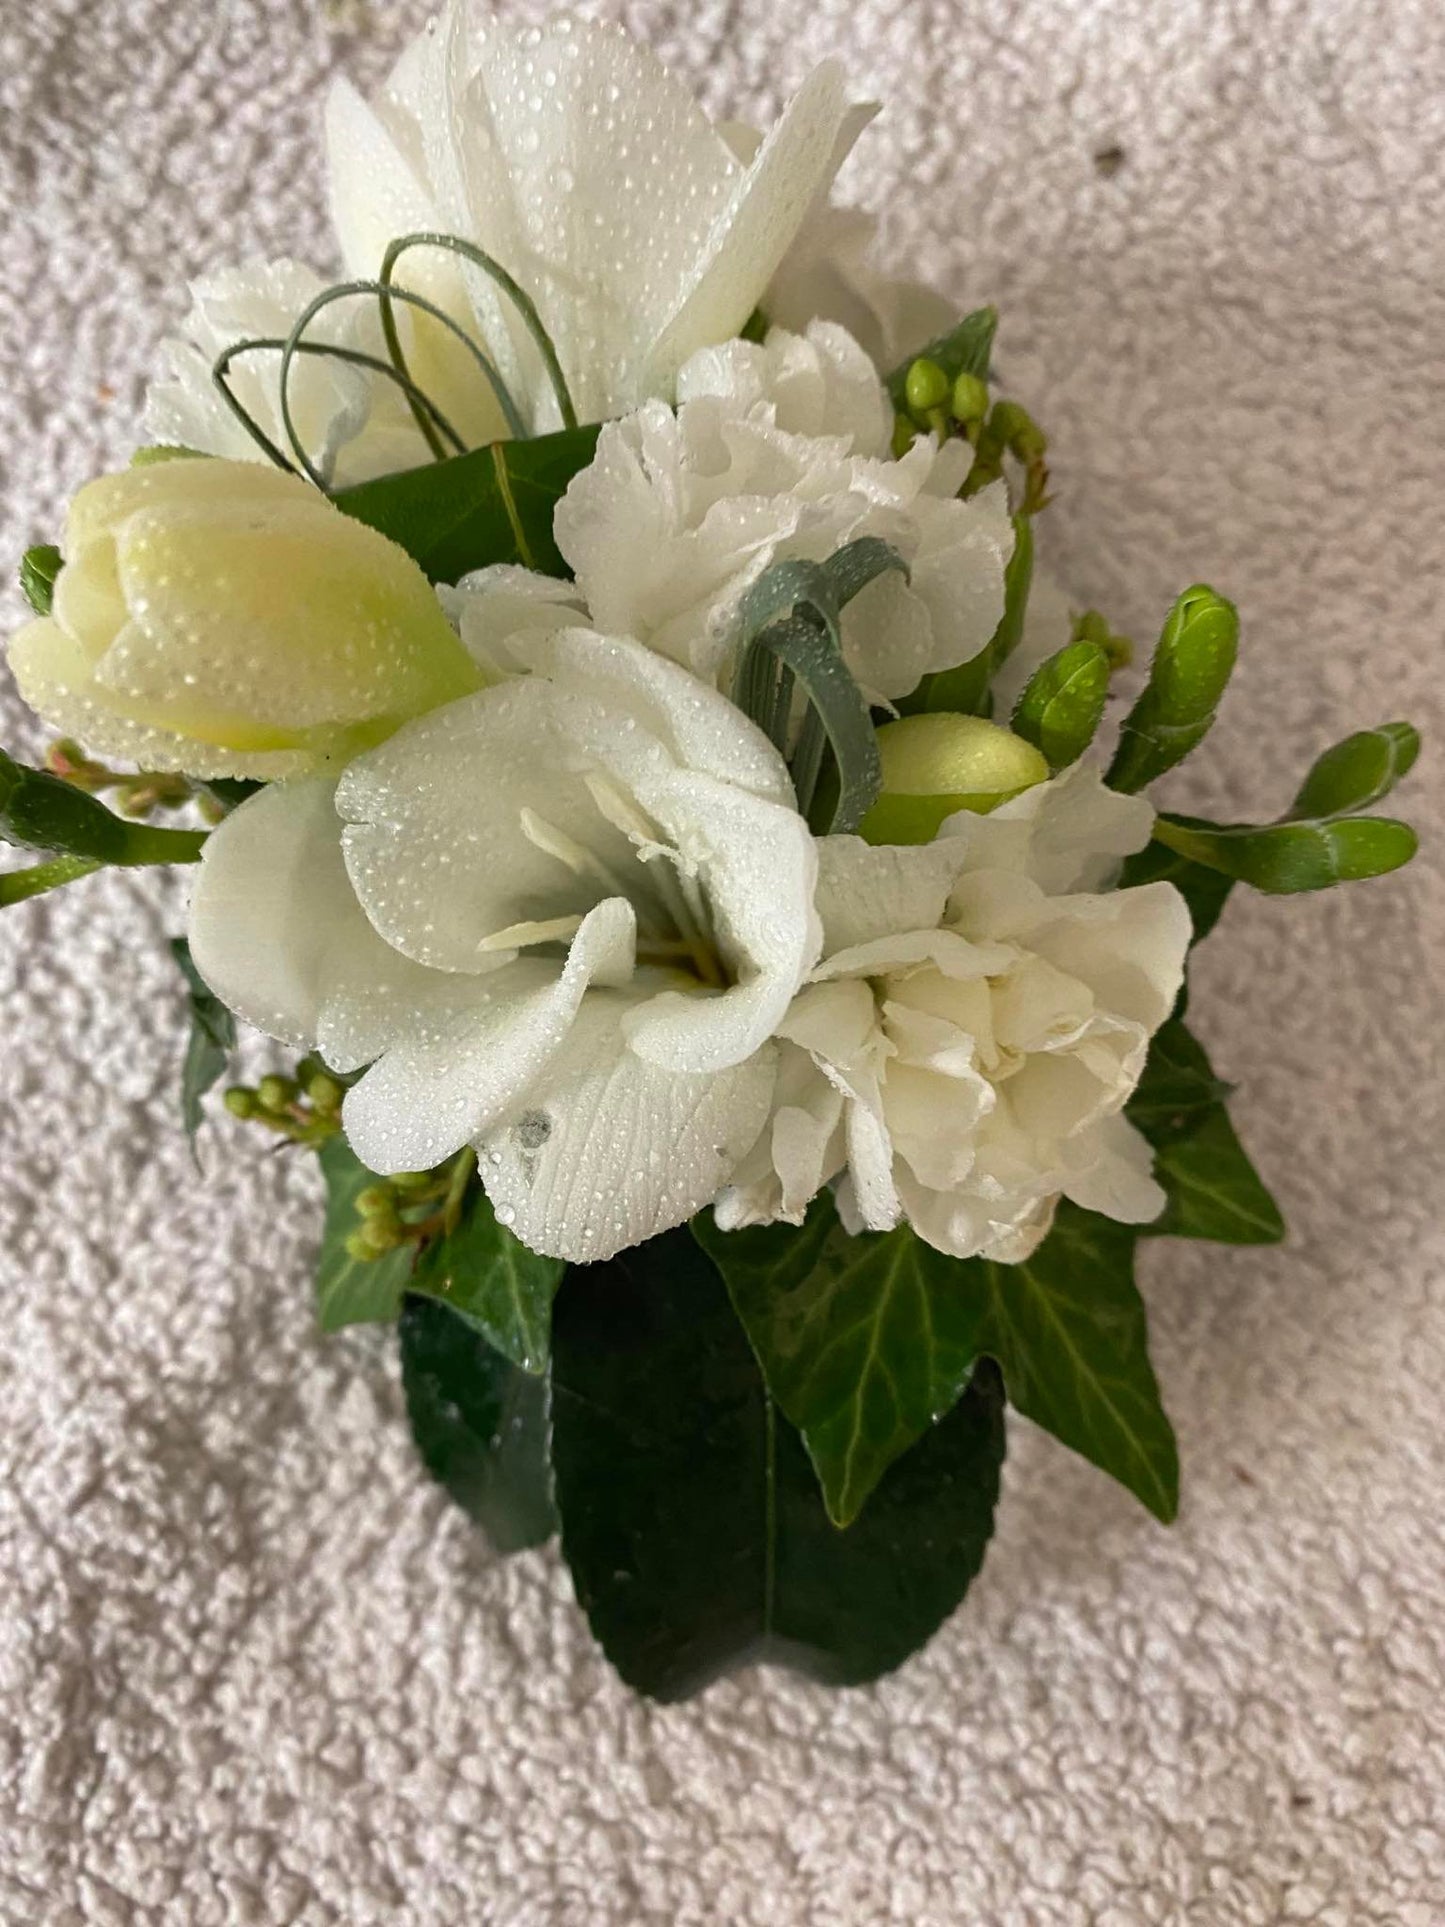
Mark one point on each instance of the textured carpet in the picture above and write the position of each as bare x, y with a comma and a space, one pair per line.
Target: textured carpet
252, 1667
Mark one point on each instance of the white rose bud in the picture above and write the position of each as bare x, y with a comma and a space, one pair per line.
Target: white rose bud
224, 619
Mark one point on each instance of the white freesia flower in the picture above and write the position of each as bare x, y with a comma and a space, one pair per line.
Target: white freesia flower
679, 513
981, 1015
560, 920
571, 156
353, 423
828, 273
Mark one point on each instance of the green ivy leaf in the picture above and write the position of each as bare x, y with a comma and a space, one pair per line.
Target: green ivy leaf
1205, 892
1214, 1191
39, 811
1178, 1091
1282, 859
480, 1425
353, 1291
492, 1280
864, 1342
1068, 1327
493, 504
963, 350
38, 569
691, 1517
1192, 664
211, 1041
1062, 703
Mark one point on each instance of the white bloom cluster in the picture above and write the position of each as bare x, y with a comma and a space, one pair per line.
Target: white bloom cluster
530, 875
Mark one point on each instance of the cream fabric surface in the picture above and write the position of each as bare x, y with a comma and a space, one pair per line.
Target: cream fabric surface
253, 1668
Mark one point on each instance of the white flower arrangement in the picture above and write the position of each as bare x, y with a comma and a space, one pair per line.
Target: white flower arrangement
740, 1016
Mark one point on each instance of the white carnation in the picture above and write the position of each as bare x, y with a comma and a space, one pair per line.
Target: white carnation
679, 513
560, 921
982, 1013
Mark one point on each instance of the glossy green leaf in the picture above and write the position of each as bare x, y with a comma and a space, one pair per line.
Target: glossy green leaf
965, 690
864, 1342
18, 886
1284, 858
493, 1281
353, 1291
1062, 703
493, 504
963, 350
691, 1516
1192, 664
1205, 892
210, 1043
1358, 771
38, 569
1068, 1327
479, 1423
39, 811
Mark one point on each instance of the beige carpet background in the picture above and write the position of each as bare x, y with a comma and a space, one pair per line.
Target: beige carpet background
253, 1669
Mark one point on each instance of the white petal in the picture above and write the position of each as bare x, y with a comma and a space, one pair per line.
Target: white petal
866, 892
1128, 947
610, 1149
274, 924
493, 607
452, 1069
1114, 1174
750, 238
1070, 833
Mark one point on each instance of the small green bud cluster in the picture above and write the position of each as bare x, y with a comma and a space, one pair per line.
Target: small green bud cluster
410, 1207
961, 406
1092, 627
305, 1107
137, 792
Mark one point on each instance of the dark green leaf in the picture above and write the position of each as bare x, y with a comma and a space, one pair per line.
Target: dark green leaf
353, 1291
1358, 771
16, 886
1067, 1325
480, 1425
1178, 1091
211, 1041
492, 1280
38, 569
1204, 891
963, 350
39, 811
864, 1342
1062, 703
1214, 1191
490, 505
1192, 664
690, 1514
1283, 858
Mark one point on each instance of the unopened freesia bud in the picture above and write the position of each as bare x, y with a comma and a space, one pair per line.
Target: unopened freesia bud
937, 764
926, 386
970, 398
224, 619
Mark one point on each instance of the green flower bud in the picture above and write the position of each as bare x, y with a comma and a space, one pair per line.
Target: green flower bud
357, 1247
376, 1201
970, 398
905, 434
1063, 701
224, 619
412, 1180
324, 1093
240, 1101
376, 1237
1018, 431
937, 764
276, 1093
926, 386
1192, 663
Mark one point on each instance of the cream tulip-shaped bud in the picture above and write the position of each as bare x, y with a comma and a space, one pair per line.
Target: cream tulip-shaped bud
224, 619
935, 765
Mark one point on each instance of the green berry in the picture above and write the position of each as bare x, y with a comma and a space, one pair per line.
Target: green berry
358, 1248
324, 1092
377, 1237
240, 1101
376, 1201
275, 1092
